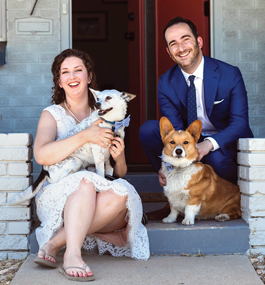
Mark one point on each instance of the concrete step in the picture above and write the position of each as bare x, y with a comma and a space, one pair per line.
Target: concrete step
207, 237
144, 182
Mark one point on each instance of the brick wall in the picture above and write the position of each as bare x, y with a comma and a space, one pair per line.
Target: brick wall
251, 171
238, 38
26, 77
15, 175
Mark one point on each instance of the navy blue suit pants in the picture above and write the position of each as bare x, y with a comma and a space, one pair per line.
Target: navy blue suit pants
224, 165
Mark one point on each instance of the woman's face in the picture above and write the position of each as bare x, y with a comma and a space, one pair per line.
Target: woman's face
74, 77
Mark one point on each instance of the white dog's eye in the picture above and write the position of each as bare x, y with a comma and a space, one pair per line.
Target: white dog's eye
108, 98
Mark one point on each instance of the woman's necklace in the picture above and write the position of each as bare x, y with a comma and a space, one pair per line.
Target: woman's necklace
72, 114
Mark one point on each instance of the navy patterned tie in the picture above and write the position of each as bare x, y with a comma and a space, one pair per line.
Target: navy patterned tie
191, 101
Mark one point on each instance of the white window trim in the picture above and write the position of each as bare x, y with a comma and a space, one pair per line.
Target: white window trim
66, 24
2, 21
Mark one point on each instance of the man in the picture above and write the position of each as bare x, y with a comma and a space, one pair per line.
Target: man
221, 101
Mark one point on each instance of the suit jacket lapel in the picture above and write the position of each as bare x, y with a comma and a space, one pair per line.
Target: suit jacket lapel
179, 85
211, 78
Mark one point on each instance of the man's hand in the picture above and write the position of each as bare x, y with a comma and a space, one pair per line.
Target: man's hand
204, 148
162, 178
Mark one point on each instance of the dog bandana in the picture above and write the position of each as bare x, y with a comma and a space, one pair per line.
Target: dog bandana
168, 165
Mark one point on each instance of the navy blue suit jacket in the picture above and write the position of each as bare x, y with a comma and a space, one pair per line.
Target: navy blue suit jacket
222, 82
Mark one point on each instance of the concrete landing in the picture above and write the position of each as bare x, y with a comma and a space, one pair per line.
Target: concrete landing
204, 237
217, 270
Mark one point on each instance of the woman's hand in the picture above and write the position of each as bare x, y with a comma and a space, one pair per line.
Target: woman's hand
117, 148
98, 135
117, 152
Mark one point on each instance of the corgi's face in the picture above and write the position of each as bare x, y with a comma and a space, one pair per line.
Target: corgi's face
179, 146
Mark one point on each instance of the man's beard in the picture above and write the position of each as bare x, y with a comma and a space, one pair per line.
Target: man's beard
189, 61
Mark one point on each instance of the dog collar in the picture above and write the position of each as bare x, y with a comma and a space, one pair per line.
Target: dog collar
118, 125
168, 165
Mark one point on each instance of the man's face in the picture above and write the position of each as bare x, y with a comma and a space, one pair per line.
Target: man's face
183, 47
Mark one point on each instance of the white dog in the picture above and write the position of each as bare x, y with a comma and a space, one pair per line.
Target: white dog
111, 106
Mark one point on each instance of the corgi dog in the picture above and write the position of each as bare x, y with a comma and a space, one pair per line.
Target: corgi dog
111, 107
193, 188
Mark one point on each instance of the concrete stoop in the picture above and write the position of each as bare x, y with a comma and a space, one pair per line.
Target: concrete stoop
204, 237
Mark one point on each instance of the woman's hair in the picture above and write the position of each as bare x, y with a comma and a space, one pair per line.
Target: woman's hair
58, 92
178, 20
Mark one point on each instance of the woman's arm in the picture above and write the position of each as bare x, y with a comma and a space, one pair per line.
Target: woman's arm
117, 152
48, 151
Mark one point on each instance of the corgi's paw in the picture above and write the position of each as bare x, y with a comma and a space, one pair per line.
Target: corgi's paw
222, 218
187, 222
169, 220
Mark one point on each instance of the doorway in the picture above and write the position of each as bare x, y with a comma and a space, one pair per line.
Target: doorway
124, 39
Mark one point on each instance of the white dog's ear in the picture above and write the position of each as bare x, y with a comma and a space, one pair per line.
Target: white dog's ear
127, 96
95, 93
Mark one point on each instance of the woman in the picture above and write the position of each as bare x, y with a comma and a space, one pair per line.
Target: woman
83, 209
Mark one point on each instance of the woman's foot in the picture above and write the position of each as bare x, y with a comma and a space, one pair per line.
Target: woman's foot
75, 266
46, 255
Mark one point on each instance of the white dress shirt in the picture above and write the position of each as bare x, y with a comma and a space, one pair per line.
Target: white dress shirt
207, 127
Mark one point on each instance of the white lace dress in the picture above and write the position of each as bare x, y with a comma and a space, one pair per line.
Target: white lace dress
51, 199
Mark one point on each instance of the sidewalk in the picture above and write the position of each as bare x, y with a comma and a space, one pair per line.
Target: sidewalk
212, 270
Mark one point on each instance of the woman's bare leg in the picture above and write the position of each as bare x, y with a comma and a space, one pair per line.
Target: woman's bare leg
109, 216
79, 211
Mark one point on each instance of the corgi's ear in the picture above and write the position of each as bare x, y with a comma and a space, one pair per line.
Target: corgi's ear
95, 93
127, 96
195, 129
165, 127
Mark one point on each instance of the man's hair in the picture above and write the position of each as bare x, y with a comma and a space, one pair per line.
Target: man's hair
178, 20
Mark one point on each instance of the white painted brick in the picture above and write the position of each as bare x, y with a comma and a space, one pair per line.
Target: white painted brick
19, 228
19, 169
14, 213
251, 144
251, 173
14, 243
3, 255
2, 169
15, 183
255, 206
245, 214
16, 153
19, 139
18, 255
2, 228
3, 139
257, 238
256, 224
250, 187
2, 199
11, 194
256, 250
251, 159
